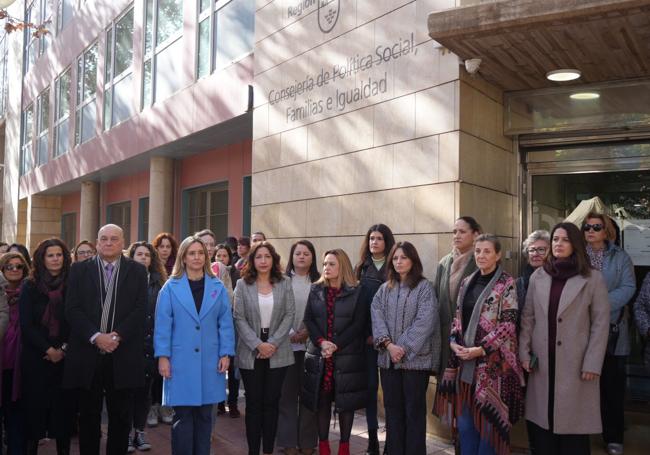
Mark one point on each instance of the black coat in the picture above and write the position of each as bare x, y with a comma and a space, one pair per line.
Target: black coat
83, 310
350, 372
41, 380
370, 281
150, 365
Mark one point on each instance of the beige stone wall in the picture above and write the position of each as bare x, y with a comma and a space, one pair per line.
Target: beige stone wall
488, 165
43, 219
425, 148
326, 170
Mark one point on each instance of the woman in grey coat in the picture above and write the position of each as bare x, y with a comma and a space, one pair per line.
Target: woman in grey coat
618, 271
264, 312
406, 331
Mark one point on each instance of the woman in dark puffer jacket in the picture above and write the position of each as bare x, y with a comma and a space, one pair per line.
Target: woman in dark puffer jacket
335, 363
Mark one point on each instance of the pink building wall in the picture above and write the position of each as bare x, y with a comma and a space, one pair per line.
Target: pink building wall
70, 203
129, 188
230, 163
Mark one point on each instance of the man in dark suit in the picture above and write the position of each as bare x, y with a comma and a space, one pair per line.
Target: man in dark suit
105, 307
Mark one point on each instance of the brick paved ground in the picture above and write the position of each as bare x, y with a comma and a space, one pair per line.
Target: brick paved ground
230, 439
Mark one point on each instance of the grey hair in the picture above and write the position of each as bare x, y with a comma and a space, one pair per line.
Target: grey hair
493, 239
534, 236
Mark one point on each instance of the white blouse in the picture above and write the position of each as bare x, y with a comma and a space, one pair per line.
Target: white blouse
266, 309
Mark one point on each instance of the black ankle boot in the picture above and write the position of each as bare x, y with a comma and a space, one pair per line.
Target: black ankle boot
373, 443
63, 446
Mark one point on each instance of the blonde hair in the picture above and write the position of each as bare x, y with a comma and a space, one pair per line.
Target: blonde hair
346, 274
179, 266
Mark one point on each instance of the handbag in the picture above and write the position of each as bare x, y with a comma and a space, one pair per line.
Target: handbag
614, 333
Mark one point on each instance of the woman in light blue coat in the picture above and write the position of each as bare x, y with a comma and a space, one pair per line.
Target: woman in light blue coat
618, 271
193, 340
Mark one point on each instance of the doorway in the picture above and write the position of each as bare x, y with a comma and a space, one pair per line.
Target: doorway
559, 177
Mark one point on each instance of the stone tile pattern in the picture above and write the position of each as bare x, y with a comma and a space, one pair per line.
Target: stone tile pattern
393, 156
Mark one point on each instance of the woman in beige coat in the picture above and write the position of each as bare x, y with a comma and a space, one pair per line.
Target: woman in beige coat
564, 329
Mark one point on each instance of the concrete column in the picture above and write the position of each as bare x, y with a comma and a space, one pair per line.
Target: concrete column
43, 219
20, 231
161, 195
89, 211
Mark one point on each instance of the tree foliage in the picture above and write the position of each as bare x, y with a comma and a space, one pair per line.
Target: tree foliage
13, 24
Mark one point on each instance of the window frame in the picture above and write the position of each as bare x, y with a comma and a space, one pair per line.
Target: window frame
60, 25
211, 14
27, 141
30, 42
125, 227
110, 78
80, 100
143, 218
73, 217
57, 122
45, 40
220, 186
40, 131
151, 56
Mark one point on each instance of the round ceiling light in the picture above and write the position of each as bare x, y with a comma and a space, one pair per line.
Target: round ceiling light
563, 75
584, 96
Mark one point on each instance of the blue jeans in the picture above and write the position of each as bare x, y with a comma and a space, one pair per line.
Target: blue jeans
191, 430
470, 438
373, 384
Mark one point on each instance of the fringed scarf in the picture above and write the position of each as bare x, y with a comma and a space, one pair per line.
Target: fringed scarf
52, 287
495, 396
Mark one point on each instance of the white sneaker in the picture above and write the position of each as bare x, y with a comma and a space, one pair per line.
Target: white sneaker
130, 448
166, 414
615, 449
152, 417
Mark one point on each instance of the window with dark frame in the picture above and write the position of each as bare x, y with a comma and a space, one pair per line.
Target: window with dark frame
69, 229
207, 207
143, 219
120, 214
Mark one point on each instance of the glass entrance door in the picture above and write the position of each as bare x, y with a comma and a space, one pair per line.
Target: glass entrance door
559, 179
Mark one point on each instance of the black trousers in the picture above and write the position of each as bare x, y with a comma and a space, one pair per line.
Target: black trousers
546, 442
263, 386
119, 405
142, 404
612, 398
405, 402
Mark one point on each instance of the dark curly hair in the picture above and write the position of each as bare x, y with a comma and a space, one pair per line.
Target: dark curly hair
39, 273
156, 266
249, 272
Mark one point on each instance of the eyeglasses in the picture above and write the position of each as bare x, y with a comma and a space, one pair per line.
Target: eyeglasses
85, 253
540, 251
13, 267
595, 227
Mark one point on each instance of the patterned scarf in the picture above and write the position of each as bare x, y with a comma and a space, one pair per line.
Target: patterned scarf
328, 378
495, 397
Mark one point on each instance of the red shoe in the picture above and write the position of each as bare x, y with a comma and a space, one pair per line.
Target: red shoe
324, 447
344, 448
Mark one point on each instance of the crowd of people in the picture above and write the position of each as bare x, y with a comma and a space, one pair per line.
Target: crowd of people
165, 332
